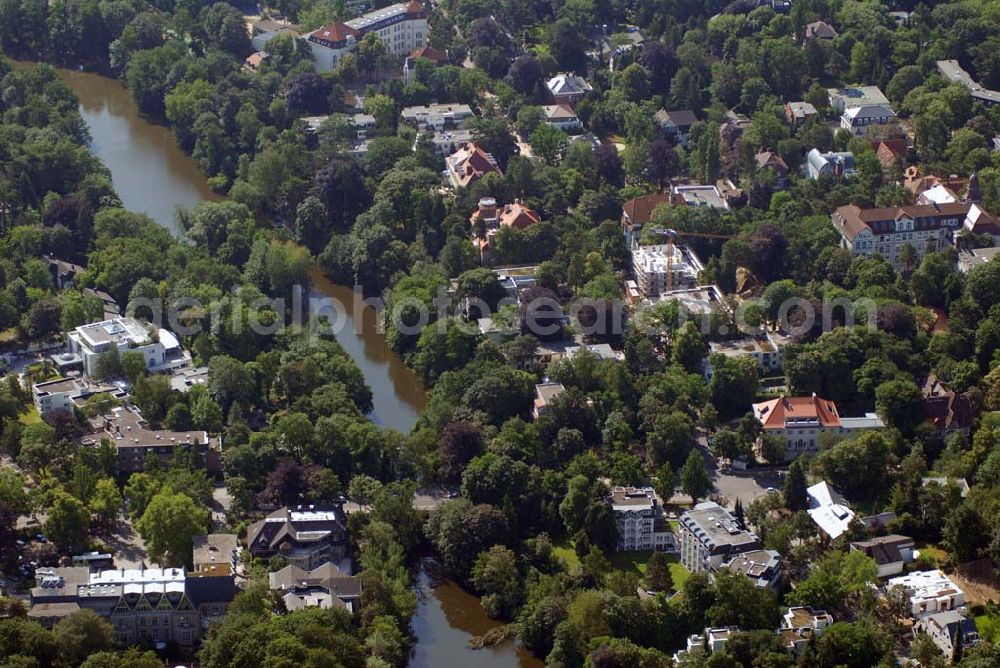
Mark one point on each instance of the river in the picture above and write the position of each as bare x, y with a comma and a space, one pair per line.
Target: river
153, 175
140, 153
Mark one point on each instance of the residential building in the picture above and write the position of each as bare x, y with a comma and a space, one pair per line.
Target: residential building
637, 212
305, 536
801, 420
944, 628
974, 257
676, 125
891, 552
947, 411
638, 516
469, 164
954, 73
602, 350
772, 161
982, 224
929, 592
961, 483
401, 27
447, 142
111, 308
829, 164
567, 89
428, 53
698, 195
762, 350
325, 586
135, 441
664, 267
712, 640
253, 62
939, 194
53, 396
436, 117
159, 347
544, 394
562, 116
215, 549
800, 625
829, 510
820, 30
710, 538
866, 232
488, 218
64, 273
857, 120
891, 153
842, 99
265, 30
763, 567
144, 605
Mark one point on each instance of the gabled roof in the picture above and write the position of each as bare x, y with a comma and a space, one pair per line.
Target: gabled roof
770, 159
884, 549
558, 112
829, 510
568, 84
821, 30
333, 33
639, 209
945, 409
774, 414
470, 163
869, 111
682, 118
430, 53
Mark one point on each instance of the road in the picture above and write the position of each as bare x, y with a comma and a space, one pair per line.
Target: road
427, 498
731, 485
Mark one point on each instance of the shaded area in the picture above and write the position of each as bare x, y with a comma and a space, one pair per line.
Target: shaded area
447, 618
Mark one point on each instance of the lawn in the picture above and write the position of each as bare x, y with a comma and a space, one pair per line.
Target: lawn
30, 416
624, 561
989, 627
935, 553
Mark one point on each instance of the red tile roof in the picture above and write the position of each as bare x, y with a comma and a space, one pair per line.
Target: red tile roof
430, 53
774, 413
639, 210
334, 32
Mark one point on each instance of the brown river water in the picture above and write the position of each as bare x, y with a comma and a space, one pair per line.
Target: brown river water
152, 175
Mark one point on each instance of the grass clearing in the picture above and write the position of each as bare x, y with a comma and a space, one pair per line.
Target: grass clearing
29, 417
634, 562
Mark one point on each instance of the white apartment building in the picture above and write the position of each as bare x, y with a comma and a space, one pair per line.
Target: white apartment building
159, 347
929, 591
857, 120
652, 265
401, 27
436, 116
801, 420
637, 514
710, 537
926, 227
55, 395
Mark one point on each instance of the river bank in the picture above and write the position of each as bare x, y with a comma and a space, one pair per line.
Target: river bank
153, 175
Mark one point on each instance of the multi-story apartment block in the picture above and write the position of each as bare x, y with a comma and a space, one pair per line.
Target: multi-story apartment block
654, 265
926, 227
159, 347
57, 395
637, 515
801, 420
305, 536
144, 605
710, 538
801, 625
929, 592
857, 120
134, 441
436, 116
401, 27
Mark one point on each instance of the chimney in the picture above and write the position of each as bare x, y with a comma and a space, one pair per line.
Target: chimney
487, 208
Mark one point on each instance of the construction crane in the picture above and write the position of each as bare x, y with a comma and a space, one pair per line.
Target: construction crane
672, 233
